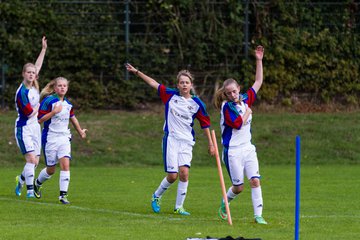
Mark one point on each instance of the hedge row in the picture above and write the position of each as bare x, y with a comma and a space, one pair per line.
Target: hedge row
312, 49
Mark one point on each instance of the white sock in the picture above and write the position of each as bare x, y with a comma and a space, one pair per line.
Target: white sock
230, 195
43, 176
64, 181
181, 194
29, 171
164, 185
257, 200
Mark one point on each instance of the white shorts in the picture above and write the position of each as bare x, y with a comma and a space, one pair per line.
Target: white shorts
28, 138
240, 161
176, 153
55, 148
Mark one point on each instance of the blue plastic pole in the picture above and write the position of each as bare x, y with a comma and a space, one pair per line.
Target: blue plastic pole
297, 191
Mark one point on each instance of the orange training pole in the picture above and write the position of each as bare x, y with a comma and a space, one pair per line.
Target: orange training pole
222, 183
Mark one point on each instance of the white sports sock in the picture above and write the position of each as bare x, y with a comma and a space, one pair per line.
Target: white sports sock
64, 181
181, 194
43, 176
257, 200
29, 171
164, 185
230, 195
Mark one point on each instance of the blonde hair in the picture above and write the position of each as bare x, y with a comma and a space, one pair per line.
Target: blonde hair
50, 87
35, 83
185, 73
220, 93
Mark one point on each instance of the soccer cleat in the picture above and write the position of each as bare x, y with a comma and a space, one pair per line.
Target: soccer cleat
222, 211
260, 220
181, 211
18, 187
63, 199
30, 195
155, 203
37, 190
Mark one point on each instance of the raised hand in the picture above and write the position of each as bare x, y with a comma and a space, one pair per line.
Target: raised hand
44, 42
130, 68
259, 52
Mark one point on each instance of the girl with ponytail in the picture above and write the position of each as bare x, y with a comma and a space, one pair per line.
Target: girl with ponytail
55, 112
239, 154
27, 129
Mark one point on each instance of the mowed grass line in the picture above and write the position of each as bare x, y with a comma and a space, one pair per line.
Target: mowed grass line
114, 203
134, 138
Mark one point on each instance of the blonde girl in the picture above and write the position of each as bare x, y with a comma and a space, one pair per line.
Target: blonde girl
27, 129
181, 108
55, 112
239, 154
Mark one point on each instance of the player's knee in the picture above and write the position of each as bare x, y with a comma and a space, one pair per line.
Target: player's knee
50, 170
237, 189
184, 177
255, 182
184, 174
171, 177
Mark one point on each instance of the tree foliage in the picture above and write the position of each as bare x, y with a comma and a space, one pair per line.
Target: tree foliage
311, 48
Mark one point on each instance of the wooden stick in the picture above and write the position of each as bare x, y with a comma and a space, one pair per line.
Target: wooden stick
222, 183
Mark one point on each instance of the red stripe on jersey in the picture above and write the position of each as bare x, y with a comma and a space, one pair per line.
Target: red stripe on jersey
251, 97
27, 109
204, 120
72, 112
42, 113
163, 94
233, 122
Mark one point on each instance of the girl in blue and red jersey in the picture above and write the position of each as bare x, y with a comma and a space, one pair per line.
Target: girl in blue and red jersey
239, 154
55, 112
27, 129
181, 108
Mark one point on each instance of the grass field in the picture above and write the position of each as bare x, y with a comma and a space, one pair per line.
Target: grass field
134, 138
117, 168
114, 203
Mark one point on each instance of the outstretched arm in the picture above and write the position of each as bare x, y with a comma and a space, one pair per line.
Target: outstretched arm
153, 83
259, 53
76, 124
40, 59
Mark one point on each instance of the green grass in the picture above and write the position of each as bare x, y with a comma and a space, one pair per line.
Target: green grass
134, 138
117, 168
114, 203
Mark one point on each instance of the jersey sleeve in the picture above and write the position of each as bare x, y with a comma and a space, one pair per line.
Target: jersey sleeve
45, 107
72, 113
249, 97
165, 93
202, 114
23, 103
232, 118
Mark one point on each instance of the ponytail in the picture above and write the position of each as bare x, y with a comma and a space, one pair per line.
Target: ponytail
50, 87
47, 90
220, 96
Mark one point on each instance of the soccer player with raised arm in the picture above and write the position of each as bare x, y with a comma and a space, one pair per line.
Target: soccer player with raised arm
27, 129
181, 108
239, 154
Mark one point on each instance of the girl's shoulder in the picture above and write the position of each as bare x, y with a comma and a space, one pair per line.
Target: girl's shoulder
67, 101
50, 99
